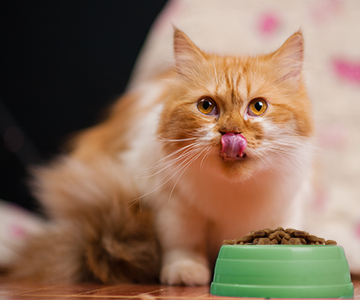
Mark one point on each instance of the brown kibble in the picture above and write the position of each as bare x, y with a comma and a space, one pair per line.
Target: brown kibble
280, 233
300, 234
245, 239
258, 233
228, 242
283, 234
275, 235
255, 241
268, 231
312, 238
290, 231
330, 242
303, 241
284, 241
289, 236
264, 241
295, 241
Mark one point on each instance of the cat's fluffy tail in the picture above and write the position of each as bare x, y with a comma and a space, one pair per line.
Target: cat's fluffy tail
103, 249
93, 234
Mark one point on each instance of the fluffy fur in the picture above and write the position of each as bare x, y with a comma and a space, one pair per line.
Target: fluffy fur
146, 195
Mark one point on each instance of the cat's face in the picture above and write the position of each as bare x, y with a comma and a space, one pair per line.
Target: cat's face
239, 114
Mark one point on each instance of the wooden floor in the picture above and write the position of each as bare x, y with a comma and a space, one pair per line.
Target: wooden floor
26, 291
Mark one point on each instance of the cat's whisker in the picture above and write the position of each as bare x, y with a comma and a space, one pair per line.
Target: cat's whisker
208, 152
132, 202
289, 148
176, 140
195, 134
265, 160
184, 169
176, 170
289, 152
177, 151
175, 160
165, 161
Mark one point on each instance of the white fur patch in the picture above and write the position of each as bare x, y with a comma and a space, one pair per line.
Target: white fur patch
185, 268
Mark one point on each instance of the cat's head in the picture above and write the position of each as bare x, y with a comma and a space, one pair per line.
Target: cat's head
239, 114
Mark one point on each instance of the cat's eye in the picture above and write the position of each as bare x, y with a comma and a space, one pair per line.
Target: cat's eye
207, 106
257, 107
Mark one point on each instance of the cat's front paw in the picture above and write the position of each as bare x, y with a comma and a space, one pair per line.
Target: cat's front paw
185, 272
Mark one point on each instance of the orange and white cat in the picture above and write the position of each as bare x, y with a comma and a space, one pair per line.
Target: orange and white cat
208, 151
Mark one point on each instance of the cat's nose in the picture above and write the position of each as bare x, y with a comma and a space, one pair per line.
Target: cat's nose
225, 130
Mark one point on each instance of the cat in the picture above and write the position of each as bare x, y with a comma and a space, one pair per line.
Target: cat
210, 150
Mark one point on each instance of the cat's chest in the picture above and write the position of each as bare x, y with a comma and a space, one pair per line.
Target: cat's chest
219, 196
234, 209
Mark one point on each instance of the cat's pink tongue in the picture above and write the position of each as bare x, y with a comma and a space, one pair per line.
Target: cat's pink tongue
233, 146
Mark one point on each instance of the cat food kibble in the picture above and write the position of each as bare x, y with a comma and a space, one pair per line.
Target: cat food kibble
279, 236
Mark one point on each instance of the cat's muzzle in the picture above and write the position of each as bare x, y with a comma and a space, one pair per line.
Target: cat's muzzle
233, 146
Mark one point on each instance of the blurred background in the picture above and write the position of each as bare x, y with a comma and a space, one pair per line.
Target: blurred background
61, 64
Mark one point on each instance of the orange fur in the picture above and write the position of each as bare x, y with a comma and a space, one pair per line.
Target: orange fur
158, 151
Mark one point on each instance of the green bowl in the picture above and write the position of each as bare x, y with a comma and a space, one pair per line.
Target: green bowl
282, 271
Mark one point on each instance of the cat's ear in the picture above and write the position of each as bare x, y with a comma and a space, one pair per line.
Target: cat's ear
187, 54
288, 59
